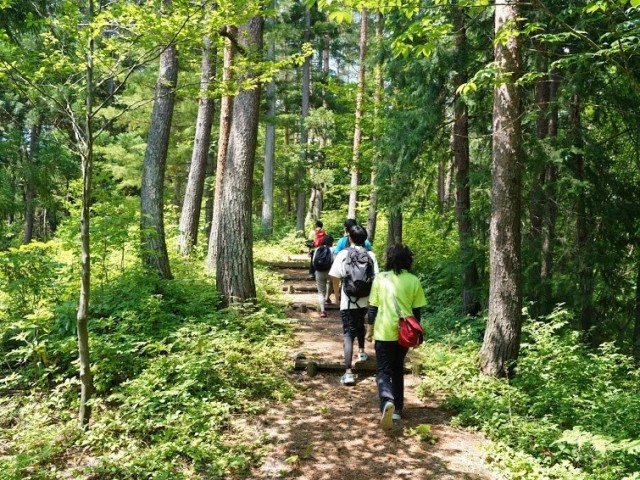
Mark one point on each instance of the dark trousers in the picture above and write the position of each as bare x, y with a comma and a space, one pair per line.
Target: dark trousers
353, 328
390, 373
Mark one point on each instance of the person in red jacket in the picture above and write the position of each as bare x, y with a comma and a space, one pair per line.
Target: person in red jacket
318, 235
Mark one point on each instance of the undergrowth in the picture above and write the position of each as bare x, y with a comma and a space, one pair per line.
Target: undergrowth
173, 373
569, 413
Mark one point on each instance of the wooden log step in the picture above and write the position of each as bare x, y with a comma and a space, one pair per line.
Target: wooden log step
296, 277
312, 366
299, 288
303, 307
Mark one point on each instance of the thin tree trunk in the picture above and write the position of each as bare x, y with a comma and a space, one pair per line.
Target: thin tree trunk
30, 186
501, 343
636, 330
209, 193
234, 258
470, 303
226, 114
536, 195
377, 99
87, 388
154, 247
585, 269
357, 133
551, 206
269, 151
441, 180
190, 215
304, 131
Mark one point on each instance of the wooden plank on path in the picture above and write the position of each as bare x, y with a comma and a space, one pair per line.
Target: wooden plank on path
312, 366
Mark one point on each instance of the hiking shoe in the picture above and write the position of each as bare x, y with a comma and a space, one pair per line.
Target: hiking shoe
386, 421
396, 416
323, 314
362, 357
348, 379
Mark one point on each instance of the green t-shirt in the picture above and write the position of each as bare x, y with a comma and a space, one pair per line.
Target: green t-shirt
409, 295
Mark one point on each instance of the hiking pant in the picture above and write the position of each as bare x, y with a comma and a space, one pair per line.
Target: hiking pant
353, 328
390, 373
321, 284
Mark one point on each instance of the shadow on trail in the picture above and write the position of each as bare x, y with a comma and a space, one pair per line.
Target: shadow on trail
332, 432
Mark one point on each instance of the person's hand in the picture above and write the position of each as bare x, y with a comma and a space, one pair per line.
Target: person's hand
369, 335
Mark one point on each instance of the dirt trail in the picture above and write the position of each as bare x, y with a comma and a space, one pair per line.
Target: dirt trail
331, 431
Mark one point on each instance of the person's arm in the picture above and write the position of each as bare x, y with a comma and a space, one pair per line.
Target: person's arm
335, 281
416, 313
371, 319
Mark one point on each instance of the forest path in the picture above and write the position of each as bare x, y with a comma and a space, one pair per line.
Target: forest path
330, 431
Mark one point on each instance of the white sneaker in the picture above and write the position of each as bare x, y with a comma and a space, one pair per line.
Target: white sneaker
362, 357
386, 421
396, 416
348, 379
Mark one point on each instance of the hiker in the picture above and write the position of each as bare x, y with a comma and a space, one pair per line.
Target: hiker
344, 241
318, 235
382, 327
322, 261
356, 268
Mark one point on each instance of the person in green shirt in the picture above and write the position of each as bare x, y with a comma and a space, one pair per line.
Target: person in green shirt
382, 327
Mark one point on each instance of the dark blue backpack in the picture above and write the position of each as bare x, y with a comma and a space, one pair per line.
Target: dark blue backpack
322, 258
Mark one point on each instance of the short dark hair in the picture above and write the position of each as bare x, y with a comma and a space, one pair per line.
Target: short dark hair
349, 223
399, 257
358, 235
319, 224
327, 240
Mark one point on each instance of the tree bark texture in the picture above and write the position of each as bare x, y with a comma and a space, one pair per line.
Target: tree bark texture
357, 133
377, 99
190, 215
154, 247
226, 114
269, 151
234, 259
501, 343
470, 303
87, 388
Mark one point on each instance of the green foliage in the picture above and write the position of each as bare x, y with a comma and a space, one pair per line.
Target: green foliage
569, 413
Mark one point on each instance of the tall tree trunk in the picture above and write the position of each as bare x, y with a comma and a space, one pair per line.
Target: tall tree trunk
226, 114
300, 176
585, 268
357, 133
190, 215
234, 259
636, 329
441, 179
501, 343
30, 184
154, 247
269, 150
87, 388
377, 99
551, 207
470, 303
536, 195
